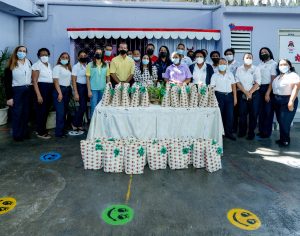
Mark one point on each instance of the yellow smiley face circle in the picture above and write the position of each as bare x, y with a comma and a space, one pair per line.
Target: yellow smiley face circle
7, 204
243, 219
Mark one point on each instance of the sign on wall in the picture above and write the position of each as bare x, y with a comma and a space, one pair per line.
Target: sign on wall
289, 45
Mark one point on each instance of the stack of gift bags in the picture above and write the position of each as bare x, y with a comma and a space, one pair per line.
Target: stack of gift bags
131, 155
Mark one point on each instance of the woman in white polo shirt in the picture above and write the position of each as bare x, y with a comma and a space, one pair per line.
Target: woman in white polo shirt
268, 73
80, 89
61, 95
43, 86
248, 80
225, 90
17, 81
285, 88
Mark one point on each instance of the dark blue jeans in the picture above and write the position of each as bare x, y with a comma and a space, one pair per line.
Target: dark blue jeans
42, 110
248, 112
61, 109
284, 116
20, 111
226, 107
266, 113
78, 118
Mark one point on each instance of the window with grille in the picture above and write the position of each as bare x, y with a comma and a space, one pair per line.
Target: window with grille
241, 41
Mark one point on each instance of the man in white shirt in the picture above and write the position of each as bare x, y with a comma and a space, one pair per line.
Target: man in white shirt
248, 80
181, 51
224, 84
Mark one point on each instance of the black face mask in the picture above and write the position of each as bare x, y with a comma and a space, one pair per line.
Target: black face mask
215, 60
150, 52
264, 56
83, 59
122, 52
162, 54
98, 56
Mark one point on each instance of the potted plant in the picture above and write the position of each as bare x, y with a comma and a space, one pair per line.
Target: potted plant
4, 56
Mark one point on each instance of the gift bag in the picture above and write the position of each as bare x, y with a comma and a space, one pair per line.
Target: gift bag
116, 100
212, 100
114, 156
157, 154
135, 157
179, 154
213, 154
166, 96
184, 96
144, 96
107, 96
174, 96
135, 95
92, 152
194, 97
199, 153
125, 95
203, 96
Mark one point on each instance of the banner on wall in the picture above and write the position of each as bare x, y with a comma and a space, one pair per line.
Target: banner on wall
290, 48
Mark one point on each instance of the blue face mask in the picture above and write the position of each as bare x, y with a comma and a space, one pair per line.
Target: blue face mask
136, 58
175, 60
107, 53
180, 51
21, 55
222, 67
145, 61
64, 61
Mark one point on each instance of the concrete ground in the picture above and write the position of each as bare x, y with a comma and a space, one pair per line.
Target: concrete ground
61, 198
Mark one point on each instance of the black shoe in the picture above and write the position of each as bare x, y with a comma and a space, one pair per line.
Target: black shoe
250, 137
230, 136
283, 144
278, 141
18, 139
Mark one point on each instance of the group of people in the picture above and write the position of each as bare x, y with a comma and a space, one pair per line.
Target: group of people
247, 94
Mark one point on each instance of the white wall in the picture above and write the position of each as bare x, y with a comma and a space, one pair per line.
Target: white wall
9, 31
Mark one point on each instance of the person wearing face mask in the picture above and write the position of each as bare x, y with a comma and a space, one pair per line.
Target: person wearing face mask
232, 67
225, 89
232, 63
17, 83
177, 73
61, 94
137, 57
285, 87
248, 80
129, 54
202, 72
122, 67
150, 52
215, 57
268, 73
183, 58
146, 73
43, 86
79, 89
108, 56
163, 62
97, 74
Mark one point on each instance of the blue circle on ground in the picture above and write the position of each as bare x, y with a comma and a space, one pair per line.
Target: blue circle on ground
50, 156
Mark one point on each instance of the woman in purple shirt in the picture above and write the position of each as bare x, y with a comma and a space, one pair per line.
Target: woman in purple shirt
177, 73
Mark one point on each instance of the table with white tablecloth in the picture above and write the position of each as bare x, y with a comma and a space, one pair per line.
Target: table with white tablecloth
156, 122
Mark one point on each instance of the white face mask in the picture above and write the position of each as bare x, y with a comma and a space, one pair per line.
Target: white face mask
248, 61
284, 69
229, 57
199, 60
44, 59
